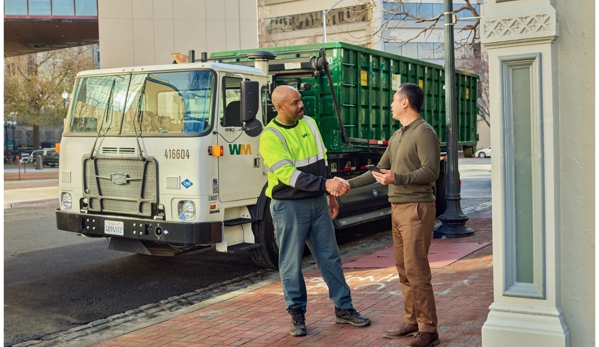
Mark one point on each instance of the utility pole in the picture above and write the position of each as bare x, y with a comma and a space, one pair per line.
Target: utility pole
454, 220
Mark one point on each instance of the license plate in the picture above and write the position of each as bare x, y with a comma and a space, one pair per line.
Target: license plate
114, 228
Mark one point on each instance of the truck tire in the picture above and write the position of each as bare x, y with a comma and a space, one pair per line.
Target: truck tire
267, 254
468, 151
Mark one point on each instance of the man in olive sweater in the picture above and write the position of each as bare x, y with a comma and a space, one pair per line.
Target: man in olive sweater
410, 166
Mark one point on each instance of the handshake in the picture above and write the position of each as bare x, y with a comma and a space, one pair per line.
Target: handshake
337, 186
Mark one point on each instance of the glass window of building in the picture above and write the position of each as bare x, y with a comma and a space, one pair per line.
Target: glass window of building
439, 52
466, 13
15, 7
426, 50
39, 8
412, 8
426, 10
63, 7
86, 7
389, 9
393, 47
410, 50
438, 9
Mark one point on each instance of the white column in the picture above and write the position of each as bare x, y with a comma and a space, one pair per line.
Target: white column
520, 38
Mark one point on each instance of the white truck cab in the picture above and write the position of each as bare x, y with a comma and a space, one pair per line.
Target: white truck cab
161, 158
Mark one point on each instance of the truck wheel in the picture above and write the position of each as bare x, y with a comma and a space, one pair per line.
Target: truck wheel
468, 151
267, 255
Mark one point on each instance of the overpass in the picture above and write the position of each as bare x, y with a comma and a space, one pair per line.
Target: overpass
33, 26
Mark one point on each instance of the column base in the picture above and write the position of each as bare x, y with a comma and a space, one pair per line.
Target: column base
518, 326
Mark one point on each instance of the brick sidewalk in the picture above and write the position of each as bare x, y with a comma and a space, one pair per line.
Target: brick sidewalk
463, 292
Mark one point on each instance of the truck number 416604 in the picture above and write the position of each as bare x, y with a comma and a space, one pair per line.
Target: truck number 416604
176, 153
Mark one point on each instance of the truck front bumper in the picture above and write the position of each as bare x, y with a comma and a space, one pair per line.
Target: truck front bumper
93, 225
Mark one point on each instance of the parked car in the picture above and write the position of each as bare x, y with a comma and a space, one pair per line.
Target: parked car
484, 152
49, 156
24, 158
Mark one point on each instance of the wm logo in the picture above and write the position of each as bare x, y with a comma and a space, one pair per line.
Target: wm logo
305, 135
237, 149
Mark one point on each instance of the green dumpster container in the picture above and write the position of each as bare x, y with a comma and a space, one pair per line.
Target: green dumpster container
364, 81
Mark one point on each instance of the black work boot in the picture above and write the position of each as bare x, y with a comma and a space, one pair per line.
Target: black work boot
350, 316
298, 321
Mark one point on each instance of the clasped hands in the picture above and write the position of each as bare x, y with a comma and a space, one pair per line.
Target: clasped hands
339, 186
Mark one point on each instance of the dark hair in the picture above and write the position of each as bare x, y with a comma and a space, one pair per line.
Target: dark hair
414, 94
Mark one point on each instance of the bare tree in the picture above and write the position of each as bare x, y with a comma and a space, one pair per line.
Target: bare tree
477, 62
401, 10
34, 83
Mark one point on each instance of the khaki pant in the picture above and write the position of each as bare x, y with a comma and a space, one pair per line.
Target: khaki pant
413, 225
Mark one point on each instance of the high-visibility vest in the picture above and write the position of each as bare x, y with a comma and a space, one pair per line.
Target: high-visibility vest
296, 159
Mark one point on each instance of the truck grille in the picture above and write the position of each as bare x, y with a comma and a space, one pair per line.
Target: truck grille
122, 186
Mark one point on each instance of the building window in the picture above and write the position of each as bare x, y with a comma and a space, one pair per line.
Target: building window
426, 50
425, 10
39, 7
410, 50
86, 7
63, 8
466, 13
15, 7
417, 50
393, 47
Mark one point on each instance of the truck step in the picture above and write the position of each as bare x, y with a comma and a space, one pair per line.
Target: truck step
237, 221
356, 219
241, 247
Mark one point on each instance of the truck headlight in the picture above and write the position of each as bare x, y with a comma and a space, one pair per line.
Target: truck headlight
187, 210
66, 202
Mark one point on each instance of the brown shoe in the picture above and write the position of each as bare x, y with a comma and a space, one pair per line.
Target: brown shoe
405, 329
425, 340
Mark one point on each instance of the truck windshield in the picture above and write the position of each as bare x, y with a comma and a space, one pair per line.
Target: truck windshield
147, 104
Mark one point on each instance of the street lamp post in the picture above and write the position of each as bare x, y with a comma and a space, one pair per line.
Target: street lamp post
453, 219
324, 21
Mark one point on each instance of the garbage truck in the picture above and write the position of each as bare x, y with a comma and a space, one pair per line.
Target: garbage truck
163, 159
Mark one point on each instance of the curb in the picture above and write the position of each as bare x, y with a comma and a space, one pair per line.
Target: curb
30, 203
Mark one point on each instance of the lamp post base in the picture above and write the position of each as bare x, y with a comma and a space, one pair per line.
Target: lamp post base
452, 231
454, 222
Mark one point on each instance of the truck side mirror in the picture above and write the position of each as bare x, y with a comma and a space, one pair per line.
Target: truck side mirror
250, 100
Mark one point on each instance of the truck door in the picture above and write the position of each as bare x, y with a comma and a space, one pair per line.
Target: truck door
240, 168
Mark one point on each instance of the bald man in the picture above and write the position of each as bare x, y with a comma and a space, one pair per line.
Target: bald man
298, 181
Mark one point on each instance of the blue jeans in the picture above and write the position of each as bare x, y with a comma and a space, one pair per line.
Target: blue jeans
301, 222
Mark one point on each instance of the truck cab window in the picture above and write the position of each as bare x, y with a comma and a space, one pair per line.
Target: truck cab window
230, 115
168, 103
268, 110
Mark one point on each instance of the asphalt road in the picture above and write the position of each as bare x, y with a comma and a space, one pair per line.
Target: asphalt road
55, 280
475, 174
